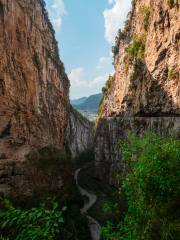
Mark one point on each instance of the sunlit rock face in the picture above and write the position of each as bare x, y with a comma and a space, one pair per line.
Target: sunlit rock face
144, 94
34, 91
33, 85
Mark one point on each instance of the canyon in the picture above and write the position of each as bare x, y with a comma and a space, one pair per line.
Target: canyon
43, 138
144, 93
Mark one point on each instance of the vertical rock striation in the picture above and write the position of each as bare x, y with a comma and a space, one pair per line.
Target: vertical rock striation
144, 93
79, 134
34, 88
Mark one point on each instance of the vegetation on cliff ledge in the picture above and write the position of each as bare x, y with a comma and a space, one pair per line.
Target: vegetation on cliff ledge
137, 48
152, 190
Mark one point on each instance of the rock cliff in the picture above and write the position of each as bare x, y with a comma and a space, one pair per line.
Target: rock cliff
144, 93
34, 89
79, 134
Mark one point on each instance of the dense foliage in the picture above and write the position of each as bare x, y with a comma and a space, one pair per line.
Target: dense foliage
45, 221
32, 224
152, 190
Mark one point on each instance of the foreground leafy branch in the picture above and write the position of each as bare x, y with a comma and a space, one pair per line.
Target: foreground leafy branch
33, 224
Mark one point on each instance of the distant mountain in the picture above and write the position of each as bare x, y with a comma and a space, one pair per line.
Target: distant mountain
91, 104
78, 101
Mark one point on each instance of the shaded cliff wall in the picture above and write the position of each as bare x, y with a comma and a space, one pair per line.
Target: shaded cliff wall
79, 134
144, 93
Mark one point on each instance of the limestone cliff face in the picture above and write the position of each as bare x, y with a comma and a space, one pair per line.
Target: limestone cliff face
33, 85
144, 93
79, 134
34, 89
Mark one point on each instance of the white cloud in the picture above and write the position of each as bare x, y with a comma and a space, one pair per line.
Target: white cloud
77, 77
115, 17
81, 86
98, 82
104, 62
57, 11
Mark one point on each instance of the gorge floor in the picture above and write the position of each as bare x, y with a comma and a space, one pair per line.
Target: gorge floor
105, 194
91, 199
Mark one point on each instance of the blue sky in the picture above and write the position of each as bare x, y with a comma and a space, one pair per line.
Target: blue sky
85, 30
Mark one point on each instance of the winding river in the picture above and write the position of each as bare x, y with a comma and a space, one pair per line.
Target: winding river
93, 224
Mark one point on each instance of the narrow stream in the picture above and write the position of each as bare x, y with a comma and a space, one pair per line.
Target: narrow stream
93, 224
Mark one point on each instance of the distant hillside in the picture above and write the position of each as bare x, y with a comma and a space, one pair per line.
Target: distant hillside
78, 101
90, 104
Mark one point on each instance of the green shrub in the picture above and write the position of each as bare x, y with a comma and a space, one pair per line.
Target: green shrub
111, 231
146, 13
137, 48
33, 224
152, 190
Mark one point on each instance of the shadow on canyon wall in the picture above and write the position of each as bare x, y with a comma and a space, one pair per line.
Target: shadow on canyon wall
149, 108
